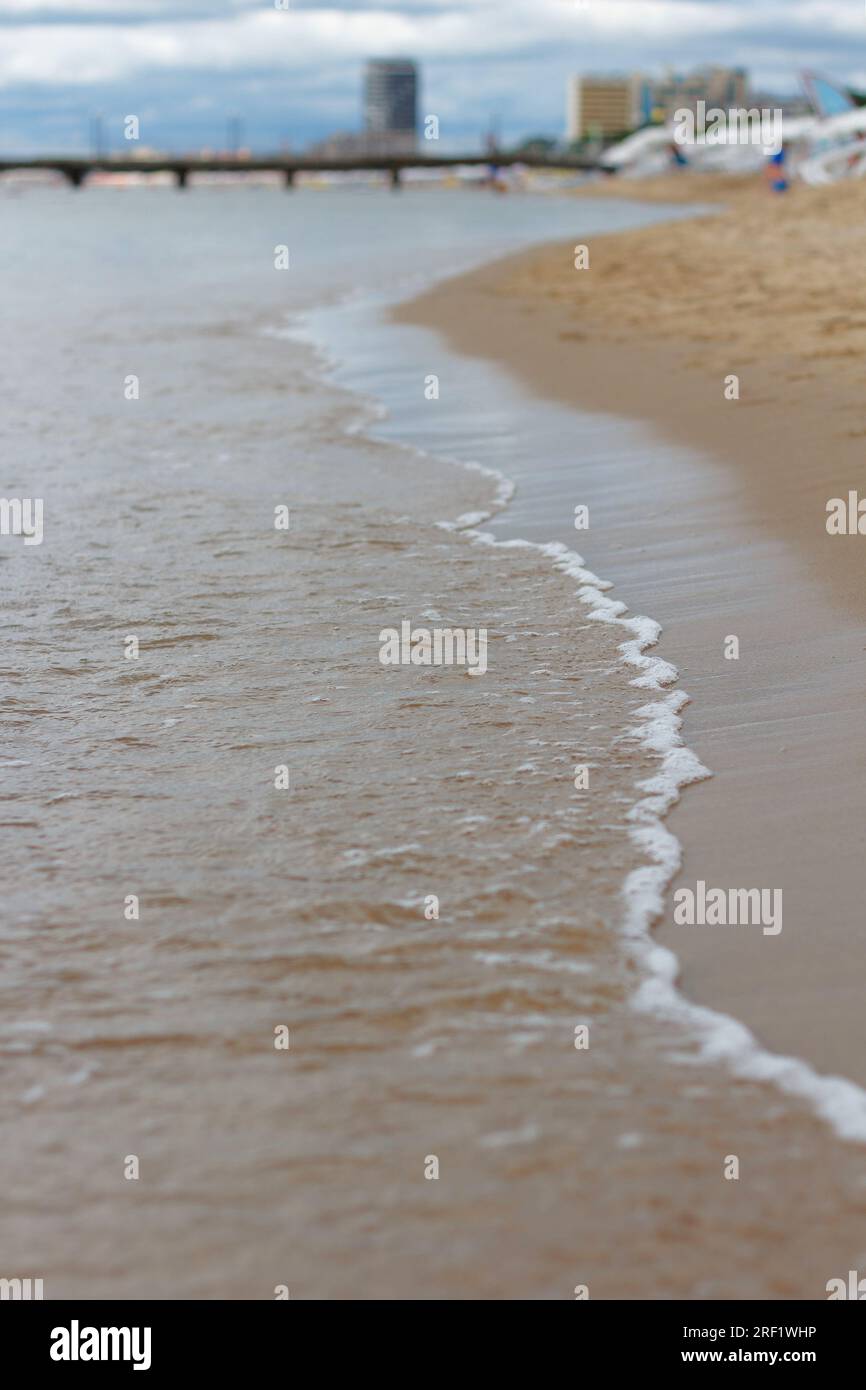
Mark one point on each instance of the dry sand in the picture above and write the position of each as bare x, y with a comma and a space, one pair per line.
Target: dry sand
409, 1036
768, 288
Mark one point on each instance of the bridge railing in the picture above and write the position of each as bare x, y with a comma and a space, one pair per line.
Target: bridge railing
76, 170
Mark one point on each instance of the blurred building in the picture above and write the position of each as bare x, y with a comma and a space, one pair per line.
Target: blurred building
351, 145
723, 88
602, 107
390, 106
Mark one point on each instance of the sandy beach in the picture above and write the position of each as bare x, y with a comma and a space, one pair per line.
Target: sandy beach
263, 907
766, 289
432, 771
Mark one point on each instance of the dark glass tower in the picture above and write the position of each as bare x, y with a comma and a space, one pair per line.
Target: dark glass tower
391, 103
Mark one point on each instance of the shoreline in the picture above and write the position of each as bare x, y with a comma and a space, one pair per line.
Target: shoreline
768, 811
270, 905
648, 1098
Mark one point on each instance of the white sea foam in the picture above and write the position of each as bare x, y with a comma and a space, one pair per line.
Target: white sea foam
508, 1138
720, 1039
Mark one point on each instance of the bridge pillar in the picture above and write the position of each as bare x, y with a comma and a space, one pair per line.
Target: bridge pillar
395, 178
74, 176
290, 178
182, 177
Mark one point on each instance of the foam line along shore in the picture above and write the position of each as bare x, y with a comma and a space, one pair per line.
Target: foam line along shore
730, 533
840, 1102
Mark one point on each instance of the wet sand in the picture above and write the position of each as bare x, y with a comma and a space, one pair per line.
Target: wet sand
769, 290
303, 908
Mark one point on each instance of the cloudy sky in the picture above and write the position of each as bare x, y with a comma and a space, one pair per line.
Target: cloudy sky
185, 67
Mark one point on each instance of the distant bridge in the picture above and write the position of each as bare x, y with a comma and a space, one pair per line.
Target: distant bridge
77, 170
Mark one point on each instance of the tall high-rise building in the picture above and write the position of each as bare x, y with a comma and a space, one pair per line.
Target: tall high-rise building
391, 105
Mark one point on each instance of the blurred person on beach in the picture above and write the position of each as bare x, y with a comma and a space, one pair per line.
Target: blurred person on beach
678, 159
776, 172
857, 153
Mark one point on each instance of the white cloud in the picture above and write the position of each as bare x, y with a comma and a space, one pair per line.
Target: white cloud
507, 56
123, 37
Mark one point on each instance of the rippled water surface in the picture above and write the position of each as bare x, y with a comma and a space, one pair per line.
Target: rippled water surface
260, 908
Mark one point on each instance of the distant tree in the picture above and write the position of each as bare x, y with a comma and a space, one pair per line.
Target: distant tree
538, 145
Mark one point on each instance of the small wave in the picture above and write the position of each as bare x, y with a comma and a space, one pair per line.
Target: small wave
658, 729
721, 1039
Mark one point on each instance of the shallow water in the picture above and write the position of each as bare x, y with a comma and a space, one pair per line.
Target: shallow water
411, 1037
